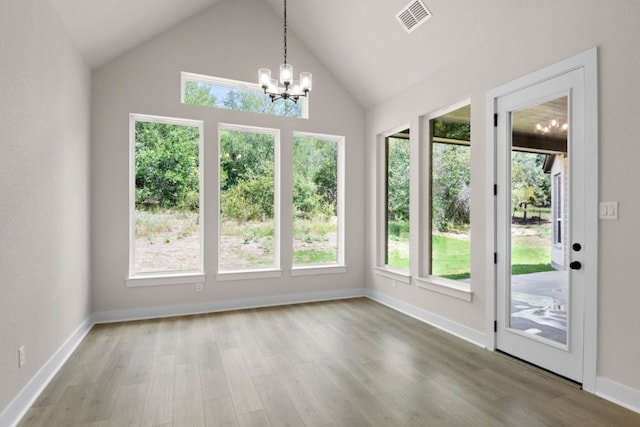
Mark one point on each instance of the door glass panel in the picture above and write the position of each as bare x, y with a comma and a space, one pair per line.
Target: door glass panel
539, 208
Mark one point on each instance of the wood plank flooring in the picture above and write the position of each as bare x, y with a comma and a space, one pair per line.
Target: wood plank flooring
339, 363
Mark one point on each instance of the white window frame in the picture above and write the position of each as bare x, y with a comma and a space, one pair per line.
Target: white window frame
340, 265
233, 84
259, 272
165, 277
425, 280
398, 275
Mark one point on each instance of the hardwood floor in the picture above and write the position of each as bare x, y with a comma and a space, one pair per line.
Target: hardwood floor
339, 363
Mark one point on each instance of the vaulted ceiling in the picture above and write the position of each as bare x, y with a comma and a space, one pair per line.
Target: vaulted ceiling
360, 41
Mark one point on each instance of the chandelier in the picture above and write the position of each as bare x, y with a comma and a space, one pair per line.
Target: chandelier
553, 127
286, 88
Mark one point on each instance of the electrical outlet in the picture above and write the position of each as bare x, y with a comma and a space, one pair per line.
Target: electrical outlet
199, 287
21, 357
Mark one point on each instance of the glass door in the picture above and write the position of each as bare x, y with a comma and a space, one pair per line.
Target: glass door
539, 289
540, 225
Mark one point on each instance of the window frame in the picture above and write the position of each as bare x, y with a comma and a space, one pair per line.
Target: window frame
168, 277
259, 272
386, 198
425, 280
381, 268
235, 84
339, 266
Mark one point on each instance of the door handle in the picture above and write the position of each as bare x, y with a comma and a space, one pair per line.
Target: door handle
575, 265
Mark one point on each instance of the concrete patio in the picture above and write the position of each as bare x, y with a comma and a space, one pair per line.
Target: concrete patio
539, 304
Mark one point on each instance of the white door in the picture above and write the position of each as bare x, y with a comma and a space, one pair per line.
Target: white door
540, 223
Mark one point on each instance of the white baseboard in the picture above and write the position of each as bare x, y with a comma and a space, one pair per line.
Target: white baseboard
609, 390
619, 394
13, 413
439, 322
222, 305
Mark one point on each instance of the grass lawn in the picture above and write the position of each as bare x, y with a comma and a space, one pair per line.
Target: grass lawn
450, 257
314, 256
315, 243
531, 253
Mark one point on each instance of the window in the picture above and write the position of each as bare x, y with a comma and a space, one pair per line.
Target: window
450, 185
397, 150
249, 181
317, 204
236, 95
165, 196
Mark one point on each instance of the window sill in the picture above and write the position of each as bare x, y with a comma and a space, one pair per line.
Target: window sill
164, 279
401, 276
227, 276
311, 270
452, 288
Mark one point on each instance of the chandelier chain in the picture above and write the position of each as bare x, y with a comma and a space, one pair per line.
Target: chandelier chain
285, 31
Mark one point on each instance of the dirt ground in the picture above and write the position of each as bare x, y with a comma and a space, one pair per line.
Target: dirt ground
166, 253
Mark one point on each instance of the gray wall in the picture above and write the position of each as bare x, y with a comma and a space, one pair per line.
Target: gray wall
531, 38
44, 189
231, 40
47, 166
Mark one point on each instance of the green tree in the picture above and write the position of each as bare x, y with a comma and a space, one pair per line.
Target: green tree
246, 175
315, 180
167, 160
245, 100
450, 185
250, 200
238, 99
452, 130
529, 183
398, 179
244, 155
450, 176
198, 94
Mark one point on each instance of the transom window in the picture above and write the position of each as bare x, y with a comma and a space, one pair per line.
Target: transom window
198, 89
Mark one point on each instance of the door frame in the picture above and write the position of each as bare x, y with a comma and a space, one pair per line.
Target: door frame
587, 61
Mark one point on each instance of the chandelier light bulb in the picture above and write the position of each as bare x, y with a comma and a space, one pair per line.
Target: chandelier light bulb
264, 77
295, 88
286, 74
305, 81
273, 86
565, 126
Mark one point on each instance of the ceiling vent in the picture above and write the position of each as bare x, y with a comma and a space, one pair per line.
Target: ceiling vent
413, 15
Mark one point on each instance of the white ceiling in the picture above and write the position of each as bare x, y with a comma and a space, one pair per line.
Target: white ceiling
360, 41
105, 29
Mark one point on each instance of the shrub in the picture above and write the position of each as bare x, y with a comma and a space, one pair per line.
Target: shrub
250, 200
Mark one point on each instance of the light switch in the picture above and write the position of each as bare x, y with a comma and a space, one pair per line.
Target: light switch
608, 210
